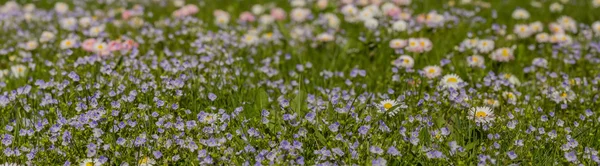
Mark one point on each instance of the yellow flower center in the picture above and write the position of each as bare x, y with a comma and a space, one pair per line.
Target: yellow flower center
431, 70
480, 114
89, 164
387, 105
475, 59
452, 80
505, 52
563, 95
406, 60
144, 160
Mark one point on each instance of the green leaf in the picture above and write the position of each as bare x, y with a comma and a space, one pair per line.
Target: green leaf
299, 102
262, 99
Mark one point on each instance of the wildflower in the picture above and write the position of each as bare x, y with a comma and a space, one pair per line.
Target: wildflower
404, 61
503, 54
397, 43
299, 14
485, 45
542, 37
386, 105
481, 114
451, 81
432, 71
523, 31
371, 23
18, 70
146, 161
419, 45
325, 37
278, 14
564, 96
46, 36
61, 7
399, 26
556, 7
30, 45
520, 14
90, 162
475, 61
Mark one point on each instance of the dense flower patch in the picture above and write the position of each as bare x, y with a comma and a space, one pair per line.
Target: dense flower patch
300, 82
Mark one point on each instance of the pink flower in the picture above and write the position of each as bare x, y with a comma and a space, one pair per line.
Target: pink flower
88, 44
126, 14
278, 14
114, 45
247, 17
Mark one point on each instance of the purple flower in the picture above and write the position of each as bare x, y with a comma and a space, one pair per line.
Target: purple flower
212, 96
512, 155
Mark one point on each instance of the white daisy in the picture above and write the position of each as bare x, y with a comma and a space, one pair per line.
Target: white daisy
387, 107
485, 45
67, 43
18, 70
475, 61
523, 30
399, 26
432, 71
503, 54
404, 61
90, 162
146, 161
397, 43
512, 79
564, 96
542, 37
481, 114
451, 81
520, 14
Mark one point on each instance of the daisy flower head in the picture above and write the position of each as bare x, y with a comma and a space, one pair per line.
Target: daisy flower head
69, 23
146, 161
451, 81
503, 54
404, 61
432, 71
556, 7
561, 38
520, 14
481, 115
397, 43
510, 96
386, 105
325, 37
221, 17
250, 39
371, 23
542, 37
563, 96
476, 61
419, 45
299, 14
90, 162
399, 26
523, 30
30, 45
46, 36
485, 45
536, 27
470, 43
61, 7
596, 28
492, 102
512, 79
568, 23
67, 43
556, 28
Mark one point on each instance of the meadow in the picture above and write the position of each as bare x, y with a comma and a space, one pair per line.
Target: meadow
299, 82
